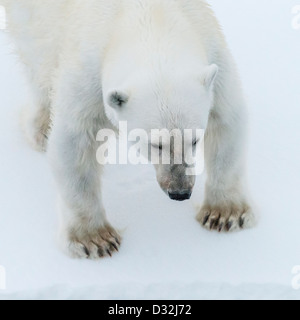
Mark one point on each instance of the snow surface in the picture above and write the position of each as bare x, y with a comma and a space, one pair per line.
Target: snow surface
165, 253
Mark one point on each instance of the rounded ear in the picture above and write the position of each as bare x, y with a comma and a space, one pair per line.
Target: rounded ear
209, 76
117, 99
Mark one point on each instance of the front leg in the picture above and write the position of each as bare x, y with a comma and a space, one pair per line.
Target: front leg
226, 207
84, 229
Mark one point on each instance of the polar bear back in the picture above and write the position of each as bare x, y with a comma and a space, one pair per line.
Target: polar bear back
47, 32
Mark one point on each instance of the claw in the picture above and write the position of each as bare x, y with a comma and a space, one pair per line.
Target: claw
109, 253
116, 239
212, 224
205, 219
217, 221
241, 222
221, 227
114, 246
86, 251
228, 225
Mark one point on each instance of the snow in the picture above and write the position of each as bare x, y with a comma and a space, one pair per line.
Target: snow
165, 253
170, 291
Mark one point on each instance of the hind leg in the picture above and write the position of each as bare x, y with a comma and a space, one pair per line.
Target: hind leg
36, 121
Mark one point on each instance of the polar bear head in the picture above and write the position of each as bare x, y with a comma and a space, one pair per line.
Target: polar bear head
159, 104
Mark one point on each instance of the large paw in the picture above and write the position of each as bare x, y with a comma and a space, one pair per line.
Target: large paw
95, 245
227, 218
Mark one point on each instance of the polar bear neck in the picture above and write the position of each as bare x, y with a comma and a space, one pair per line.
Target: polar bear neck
152, 38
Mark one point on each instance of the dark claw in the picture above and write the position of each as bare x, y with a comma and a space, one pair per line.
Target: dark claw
241, 222
228, 225
217, 222
212, 224
205, 220
109, 253
116, 239
114, 246
86, 251
221, 227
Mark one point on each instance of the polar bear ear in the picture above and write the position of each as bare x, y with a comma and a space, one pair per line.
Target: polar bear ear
117, 99
209, 76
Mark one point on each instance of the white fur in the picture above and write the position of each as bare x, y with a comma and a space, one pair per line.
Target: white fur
169, 58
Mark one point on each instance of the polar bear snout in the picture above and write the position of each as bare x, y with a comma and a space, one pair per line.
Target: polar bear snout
175, 183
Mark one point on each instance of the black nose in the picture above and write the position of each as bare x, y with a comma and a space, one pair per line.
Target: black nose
180, 196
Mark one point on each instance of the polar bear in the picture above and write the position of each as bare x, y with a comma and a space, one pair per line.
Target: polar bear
153, 63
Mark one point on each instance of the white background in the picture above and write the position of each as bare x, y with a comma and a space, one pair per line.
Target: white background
165, 253
2, 18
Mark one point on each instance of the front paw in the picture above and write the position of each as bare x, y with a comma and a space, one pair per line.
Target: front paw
226, 218
93, 245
